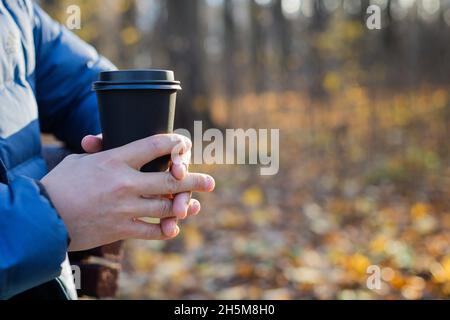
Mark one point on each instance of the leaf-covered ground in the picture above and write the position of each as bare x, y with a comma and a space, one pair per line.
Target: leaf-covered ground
358, 186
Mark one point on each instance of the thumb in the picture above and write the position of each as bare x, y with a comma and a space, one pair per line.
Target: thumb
92, 144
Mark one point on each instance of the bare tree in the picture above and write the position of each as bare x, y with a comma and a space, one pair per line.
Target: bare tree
185, 47
283, 31
257, 45
231, 82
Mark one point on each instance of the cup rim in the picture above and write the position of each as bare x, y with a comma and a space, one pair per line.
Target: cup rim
164, 82
136, 75
172, 86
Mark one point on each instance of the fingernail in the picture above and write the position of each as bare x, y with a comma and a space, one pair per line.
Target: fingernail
171, 231
210, 183
196, 207
176, 230
187, 143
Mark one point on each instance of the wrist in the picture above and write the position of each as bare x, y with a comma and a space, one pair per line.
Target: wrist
43, 191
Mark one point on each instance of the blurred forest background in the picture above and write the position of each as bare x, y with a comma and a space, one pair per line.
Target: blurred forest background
364, 117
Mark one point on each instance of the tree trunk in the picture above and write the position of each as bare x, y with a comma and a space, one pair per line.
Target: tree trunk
257, 43
231, 81
283, 33
185, 47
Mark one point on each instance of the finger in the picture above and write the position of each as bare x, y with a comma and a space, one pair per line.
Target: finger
140, 152
194, 207
92, 144
148, 231
169, 227
157, 183
181, 204
152, 208
180, 165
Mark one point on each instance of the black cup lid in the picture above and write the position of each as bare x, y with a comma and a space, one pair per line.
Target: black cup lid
153, 79
150, 75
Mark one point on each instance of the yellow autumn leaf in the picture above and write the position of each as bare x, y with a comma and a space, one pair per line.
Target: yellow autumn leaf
378, 245
231, 219
358, 263
261, 217
252, 197
397, 281
419, 210
142, 260
192, 237
441, 271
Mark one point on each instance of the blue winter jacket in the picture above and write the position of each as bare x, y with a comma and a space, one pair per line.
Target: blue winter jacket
45, 86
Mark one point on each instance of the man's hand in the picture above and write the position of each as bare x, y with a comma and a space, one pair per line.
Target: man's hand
101, 196
183, 206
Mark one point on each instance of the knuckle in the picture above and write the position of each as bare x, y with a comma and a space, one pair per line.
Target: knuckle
171, 183
154, 143
179, 142
166, 208
108, 159
72, 157
122, 186
127, 209
183, 141
152, 233
175, 137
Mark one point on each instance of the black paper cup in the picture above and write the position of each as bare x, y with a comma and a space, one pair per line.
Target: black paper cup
135, 104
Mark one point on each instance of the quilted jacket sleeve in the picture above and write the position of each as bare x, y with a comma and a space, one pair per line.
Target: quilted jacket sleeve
33, 238
66, 66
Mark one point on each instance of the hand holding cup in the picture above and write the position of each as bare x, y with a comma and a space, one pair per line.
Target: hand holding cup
183, 205
100, 196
